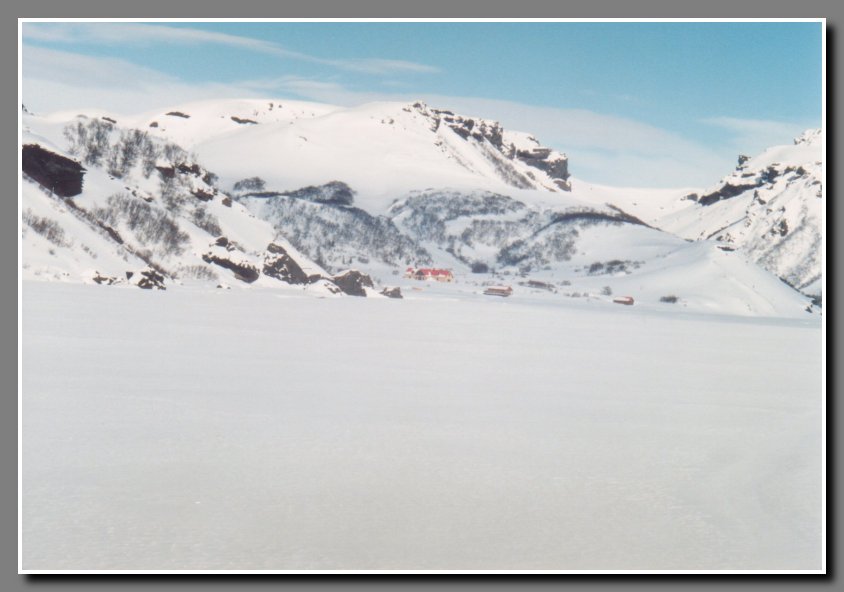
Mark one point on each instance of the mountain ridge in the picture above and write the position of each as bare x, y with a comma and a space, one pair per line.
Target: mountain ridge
457, 209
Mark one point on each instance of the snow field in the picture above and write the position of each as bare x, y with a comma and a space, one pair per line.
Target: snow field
198, 429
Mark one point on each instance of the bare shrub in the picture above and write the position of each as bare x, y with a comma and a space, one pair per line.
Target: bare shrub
174, 154
89, 140
150, 225
198, 272
46, 227
173, 195
250, 184
207, 222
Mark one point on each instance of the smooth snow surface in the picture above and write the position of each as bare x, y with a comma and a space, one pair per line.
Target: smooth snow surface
200, 429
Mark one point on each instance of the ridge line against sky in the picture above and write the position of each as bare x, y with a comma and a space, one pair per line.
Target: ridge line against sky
632, 104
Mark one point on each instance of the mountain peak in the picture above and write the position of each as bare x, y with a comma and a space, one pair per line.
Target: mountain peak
810, 137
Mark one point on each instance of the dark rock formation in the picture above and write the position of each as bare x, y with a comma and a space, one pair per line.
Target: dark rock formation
105, 279
392, 292
167, 172
178, 114
243, 121
225, 243
242, 271
193, 169
52, 171
280, 265
353, 282
539, 158
202, 195
726, 192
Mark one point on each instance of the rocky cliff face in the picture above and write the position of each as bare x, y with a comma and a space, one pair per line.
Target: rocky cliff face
507, 149
55, 173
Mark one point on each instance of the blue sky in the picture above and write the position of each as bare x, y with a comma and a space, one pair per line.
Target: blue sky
647, 104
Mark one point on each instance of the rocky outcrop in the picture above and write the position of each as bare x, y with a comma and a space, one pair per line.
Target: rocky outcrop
107, 280
280, 265
726, 191
225, 243
242, 271
392, 292
466, 127
202, 195
552, 163
353, 282
58, 174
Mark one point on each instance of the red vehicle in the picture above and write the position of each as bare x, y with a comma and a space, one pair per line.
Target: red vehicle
628, 300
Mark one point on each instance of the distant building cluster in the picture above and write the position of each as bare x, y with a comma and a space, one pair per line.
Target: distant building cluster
429, 273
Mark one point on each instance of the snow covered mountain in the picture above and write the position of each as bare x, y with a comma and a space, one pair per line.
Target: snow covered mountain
770, 208
302, 193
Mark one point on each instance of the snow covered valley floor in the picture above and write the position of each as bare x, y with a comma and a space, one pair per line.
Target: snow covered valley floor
200, 429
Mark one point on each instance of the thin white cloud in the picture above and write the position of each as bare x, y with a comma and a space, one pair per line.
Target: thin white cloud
751, 136
58, 81
144, 34
324, 91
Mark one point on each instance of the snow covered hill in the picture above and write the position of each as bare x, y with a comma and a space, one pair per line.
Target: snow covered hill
380, 149
117, 206
770, 208
304, 192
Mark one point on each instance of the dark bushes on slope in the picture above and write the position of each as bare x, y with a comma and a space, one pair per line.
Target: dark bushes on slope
150, 225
